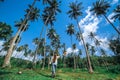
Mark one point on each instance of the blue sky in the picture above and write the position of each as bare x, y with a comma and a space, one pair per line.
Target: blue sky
13, 10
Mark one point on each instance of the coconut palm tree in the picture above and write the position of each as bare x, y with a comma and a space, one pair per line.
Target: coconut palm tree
103, 54
74, 13
23, 48
10, 50
115, 46
5, 31
64, 54
48, 16
70, 30
100, 7
92, 49
92, 37
35, 41
34, 13
74, 48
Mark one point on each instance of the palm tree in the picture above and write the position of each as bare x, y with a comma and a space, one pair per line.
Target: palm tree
92, 37
23, 48
34, 13
103, 54
48, 16
70, 30
10, 50
74, 47
78, 36
101, 8
92, 49
5, 31
74, 13
115, 46
64, 54
35, 41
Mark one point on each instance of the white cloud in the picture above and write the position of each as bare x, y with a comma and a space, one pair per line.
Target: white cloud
90, 24
21, 55
70, 50
115, 1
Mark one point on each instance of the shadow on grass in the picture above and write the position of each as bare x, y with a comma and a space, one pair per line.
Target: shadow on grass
46, 75
3, 72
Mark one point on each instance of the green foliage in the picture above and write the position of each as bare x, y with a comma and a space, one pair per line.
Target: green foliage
115, 69
5, 31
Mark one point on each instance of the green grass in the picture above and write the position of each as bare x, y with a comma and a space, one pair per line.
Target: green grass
62, 74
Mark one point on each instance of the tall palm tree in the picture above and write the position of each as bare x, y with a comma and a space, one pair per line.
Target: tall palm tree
103, 54
74, 47
35, 41
92, 49
115, 46
100, 7
49, 14
64, 54
70, 30
74, 13
92, 37
10, 50
34, 13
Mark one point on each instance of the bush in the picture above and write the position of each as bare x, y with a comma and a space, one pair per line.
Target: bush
115, 69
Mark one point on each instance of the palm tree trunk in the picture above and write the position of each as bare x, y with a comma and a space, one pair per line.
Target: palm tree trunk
86, 50
39, 42
34, 62
111, 24
48, 62
10, 50
44, 48
74, 62
64, 63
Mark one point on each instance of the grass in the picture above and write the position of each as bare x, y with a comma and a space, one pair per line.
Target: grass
62, 74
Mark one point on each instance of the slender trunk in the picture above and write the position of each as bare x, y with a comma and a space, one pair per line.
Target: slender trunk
34, 62
48, 62
86, 50
44, 49
112, 24
74, 61
17, 41
64, 63
10, 50
39, 42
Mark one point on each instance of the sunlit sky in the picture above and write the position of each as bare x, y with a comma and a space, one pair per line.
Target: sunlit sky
13, 10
